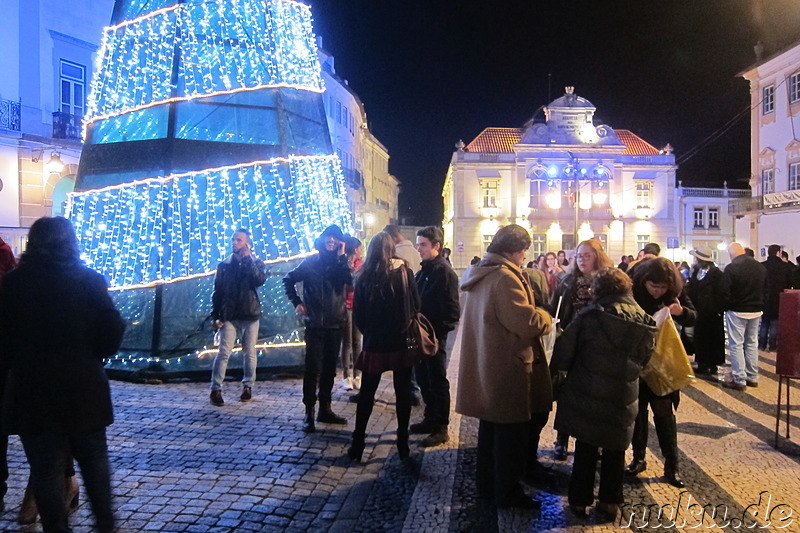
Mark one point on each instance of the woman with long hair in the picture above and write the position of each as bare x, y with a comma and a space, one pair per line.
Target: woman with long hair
575, 293
57, 323
657, 284
382, 286
351, 336
553, 271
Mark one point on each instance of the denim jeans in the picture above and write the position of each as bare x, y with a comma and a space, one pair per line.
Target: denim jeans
742, 347
249, 335
351, 345
48, 455
768, 333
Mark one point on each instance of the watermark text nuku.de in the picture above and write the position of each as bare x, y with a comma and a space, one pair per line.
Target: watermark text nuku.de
689, 514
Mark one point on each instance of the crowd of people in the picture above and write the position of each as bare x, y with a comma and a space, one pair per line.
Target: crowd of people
361, 311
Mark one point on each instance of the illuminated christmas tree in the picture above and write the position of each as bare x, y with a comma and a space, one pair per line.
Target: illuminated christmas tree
204, 116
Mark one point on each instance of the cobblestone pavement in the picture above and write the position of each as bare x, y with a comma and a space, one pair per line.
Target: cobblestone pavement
183, 465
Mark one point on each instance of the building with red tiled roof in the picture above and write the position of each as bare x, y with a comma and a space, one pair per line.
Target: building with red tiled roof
567, 180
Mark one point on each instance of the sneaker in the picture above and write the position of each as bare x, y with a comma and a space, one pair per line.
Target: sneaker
440, 436
357, 382
247, 394
216, 398
347, 383
733, 385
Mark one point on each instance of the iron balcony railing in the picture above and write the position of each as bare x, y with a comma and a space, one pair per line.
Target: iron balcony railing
9, 115
66, 126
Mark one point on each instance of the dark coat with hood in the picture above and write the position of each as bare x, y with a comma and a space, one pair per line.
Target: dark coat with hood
324, 277
236, 288
603, 350
57, 323
503, 375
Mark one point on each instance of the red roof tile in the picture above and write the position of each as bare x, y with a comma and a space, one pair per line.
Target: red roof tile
502, 140
636, 145
498, 140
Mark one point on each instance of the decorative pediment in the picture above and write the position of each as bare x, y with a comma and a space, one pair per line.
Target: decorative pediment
766, 159
793, 151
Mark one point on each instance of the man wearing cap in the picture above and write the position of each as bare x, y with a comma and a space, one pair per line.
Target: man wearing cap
779, 278
743, 290
704, 289
322, 307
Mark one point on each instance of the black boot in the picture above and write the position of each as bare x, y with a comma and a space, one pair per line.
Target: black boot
636, 467
403, 418
327, 416
667, 432
356, 449
308, 423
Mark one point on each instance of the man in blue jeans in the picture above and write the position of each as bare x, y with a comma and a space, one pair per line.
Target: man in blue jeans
237, 309
743, 290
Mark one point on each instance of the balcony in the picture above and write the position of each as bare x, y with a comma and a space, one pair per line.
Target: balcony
9, 115
352, 178
66, 126
708, 192
748, 204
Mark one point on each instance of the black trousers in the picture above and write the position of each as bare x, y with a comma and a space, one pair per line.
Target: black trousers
612, 472
664, 421
504, 451
433, 383
322, 352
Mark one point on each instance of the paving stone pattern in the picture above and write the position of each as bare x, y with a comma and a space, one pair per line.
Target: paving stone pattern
183, 465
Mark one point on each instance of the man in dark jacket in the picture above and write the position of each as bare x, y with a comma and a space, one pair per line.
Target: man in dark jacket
438, 290
779, 278
322, 307
236, 308
743, 291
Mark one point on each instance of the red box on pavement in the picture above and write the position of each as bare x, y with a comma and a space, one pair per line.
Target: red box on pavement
788, 358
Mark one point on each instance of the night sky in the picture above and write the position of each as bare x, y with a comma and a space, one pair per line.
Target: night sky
433, 72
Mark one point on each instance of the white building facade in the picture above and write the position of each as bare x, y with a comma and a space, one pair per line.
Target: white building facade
372, 191
771, 215
567, 180
47, 50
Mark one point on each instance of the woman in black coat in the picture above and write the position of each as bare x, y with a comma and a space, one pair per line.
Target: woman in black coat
603, 352
381, 287
57, 323
656, 284
705, 290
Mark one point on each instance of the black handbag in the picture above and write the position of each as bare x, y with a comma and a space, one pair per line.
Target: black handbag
421, 340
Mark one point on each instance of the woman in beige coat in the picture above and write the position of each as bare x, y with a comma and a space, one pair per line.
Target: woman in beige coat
503, 376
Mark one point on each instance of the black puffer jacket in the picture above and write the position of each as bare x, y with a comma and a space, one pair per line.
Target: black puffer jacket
323, 276
235, 289
603, 351
438, 291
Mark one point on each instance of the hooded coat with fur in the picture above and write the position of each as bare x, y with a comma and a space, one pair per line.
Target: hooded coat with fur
503, 375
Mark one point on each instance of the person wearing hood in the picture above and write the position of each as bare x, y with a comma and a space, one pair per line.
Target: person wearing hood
503, 376
236, 311
322, 307
603, 351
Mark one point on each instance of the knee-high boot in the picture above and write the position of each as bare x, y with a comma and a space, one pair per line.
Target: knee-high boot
363, 412
667, 432
403, 417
